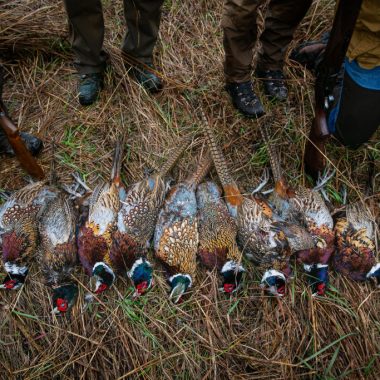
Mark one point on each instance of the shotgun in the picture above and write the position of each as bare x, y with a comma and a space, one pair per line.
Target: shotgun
25, 158
327, 72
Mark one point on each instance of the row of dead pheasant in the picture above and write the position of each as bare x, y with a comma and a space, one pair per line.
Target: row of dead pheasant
191, 219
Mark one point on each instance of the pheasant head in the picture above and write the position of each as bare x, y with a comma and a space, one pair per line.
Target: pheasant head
179, 284
64, 298
274, 282
15, 278
318, 277
15, 246
232, 274
141, 275
104, 276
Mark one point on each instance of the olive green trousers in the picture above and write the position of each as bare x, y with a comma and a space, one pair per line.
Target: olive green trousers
86, 25
240, 34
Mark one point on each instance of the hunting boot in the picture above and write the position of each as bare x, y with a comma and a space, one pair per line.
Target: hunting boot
146, 77
274, 84
310, 53
89, 88
244, 99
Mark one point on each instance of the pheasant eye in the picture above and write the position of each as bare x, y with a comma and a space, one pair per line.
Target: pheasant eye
62, 305
10, 284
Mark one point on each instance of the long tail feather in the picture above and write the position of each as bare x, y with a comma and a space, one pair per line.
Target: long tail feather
203, 168
175, 155
274, 157
216, 153
117, 160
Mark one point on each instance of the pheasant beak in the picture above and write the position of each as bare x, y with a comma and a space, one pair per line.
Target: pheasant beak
177, 292
277, 292
140, 289
274, 284
101, 288
11, 285
375, 280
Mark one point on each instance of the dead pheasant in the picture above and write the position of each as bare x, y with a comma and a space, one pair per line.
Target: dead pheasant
307, 208
95, 237
58, 250
136, 223
217, 236
355, 238
176, 235
264, 238
18, 220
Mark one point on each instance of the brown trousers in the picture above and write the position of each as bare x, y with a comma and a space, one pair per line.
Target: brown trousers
86, 25
240, 34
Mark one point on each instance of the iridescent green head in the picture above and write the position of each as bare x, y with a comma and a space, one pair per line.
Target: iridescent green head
64, 298
104, 277
141, 275
179, 284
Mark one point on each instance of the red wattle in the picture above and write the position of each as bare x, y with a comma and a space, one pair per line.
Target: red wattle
142, 287
228, 288
62, 305
321, 287
10, 284
101, 288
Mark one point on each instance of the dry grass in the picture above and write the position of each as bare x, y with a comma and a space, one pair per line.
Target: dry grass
208, 336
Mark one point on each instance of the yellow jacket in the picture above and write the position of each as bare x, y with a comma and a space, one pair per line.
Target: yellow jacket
365, 42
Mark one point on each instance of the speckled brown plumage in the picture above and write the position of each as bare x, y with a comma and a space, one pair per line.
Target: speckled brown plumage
135, 224
304, 207
355, 239
18, 220
178, 246
176, 236
124, 251
58, 250
138, 214
217, 229
261, 239
217, 237
95, 237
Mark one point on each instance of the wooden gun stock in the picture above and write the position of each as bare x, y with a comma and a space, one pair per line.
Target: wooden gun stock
25, 158
315, 154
